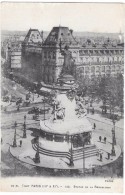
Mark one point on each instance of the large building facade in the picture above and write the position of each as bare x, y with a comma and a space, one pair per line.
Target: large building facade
43, 60
32, 55
52, 57
101, 60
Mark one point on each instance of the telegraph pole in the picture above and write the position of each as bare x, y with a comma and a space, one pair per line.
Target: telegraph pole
83, 161
14, 141
37, 155
71, 152
113, 132
113, 138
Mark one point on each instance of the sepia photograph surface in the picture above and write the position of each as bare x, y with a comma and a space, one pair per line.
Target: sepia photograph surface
62, 98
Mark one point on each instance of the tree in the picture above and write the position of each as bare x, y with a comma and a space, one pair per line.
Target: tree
102, 92
109, 89
120, 97
111, 92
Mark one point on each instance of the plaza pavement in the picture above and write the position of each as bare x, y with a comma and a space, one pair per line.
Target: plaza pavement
105, 125
103, 128
26, 153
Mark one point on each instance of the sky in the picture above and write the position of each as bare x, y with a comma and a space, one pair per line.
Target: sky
92, 17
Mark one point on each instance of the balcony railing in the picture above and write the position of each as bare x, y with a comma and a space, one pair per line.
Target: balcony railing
101, 63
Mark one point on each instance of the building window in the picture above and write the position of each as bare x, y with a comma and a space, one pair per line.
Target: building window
115, 59
103, 75
49, 55
81, 70
103, 68
108, 69
113, 68
118, 59
95, 59
117, 68
110, 59
84, 60
86, 69
54, 55
92, 76
86, 76
92, 69
81, 59
45, 54
97, 69
105, 59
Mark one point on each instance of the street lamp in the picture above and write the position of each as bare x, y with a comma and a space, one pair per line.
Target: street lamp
71, 153
14, 141
88, 109
113, 132
83, 160
24, 125
113, 136
24, 130
113, 143
33, 96
37, 156
83, 139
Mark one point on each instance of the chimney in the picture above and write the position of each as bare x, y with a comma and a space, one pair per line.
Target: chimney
71, 31
42, 34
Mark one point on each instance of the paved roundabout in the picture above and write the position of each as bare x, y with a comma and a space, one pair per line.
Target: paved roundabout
26, 153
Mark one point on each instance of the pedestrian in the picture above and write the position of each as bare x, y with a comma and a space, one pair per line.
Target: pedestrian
24, 125
87, 110
109, 155
105, 140
93, 111
18, 108
94, 125
24, 117
100, 157
1, 140
20, 143
98, 153
100, 138
93, 171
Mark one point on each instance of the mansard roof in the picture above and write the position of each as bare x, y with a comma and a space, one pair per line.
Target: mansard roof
103, 46
33, 36
63, 34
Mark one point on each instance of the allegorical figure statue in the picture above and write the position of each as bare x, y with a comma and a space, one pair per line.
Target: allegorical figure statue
68, 66
58, 110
